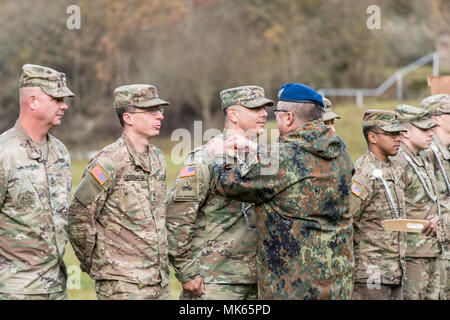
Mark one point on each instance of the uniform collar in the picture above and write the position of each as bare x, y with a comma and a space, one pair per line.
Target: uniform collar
33, 151
416, 158
444, 151
136, 157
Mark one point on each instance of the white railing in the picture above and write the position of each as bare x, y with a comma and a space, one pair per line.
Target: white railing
397, 77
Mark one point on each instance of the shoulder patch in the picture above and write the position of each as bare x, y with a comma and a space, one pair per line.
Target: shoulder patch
356, 189
100, 175
188, 172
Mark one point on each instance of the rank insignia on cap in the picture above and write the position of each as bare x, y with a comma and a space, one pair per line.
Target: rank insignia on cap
356, 189
187, 172
99, 175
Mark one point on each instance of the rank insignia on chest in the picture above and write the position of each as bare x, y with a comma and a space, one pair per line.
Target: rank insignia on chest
356, 189
99, 175
187, 172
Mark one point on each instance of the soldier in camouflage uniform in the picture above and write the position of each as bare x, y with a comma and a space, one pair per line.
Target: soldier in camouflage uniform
377, 195
35, 185
439, 156
422, 270
212, 241
305, 233
117, 217
329, 115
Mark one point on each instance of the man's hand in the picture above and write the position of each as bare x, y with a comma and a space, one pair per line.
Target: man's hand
195, 287
430, 227
215, 147
241, 144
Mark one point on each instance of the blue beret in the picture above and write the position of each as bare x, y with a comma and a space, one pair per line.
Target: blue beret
297, 92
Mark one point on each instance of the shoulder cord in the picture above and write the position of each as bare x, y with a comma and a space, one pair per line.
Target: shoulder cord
433, 198
436, 153
389, 194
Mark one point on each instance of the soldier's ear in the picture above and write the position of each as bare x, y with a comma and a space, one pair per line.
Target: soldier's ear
232, 114
436, 119
127, 119
372, 137
33, 102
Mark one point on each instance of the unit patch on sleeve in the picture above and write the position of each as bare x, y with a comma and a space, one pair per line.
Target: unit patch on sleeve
100, 175
356, 189
187, 172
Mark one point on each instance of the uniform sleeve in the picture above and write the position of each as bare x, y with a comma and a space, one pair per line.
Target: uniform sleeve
182, 217
359, 198
443, 229
88, 202
3, 185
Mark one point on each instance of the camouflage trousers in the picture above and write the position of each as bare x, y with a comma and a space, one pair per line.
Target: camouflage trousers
219, 291
385, 292
444, 269
121, 290
45, 296
421, 279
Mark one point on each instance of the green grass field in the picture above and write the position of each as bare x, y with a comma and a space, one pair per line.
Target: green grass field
348, 128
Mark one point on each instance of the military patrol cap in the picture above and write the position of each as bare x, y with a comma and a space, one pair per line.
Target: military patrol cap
50, 81
247, 96
386, 120
438, 104
328, 114
419, 117
297, 92
137, 95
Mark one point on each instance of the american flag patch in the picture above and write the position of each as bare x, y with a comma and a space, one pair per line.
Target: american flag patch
187, 172
99, 175
356, 189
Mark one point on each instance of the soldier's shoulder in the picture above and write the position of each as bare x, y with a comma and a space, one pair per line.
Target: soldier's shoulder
110, 158
363, 169
199, 156
9, 139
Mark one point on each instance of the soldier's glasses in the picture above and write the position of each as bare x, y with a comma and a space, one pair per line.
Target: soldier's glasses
391, 134
151, 110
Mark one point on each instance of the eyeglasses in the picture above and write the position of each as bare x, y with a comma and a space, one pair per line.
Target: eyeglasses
151, 110
391, 134
279, 110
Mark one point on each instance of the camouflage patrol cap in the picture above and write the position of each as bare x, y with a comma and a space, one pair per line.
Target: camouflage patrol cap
419, 117
50, 81
438, 104
328, 113
247, 96
137, 95
386, 120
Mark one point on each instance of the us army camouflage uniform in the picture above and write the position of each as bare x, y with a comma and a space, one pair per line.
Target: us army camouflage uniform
379, 254
422, 270
304, 227
34, 199
117, 223
439, 105
444, 201
208, 234
443, 229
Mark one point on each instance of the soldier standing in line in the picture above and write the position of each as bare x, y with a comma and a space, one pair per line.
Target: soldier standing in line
329, 115
212, 239
35, 186
377, 194
439, 156
421, 202
117, 223
305, 232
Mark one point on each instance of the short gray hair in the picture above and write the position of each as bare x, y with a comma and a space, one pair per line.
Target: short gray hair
303, 112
